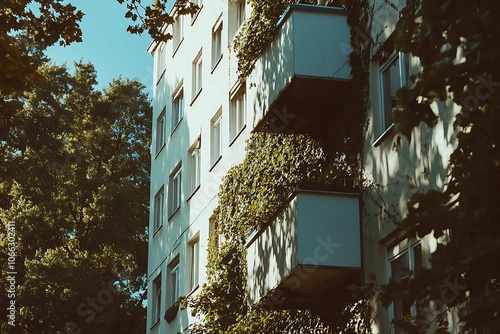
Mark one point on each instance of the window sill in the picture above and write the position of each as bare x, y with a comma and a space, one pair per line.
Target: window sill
195, 16
161, 76
216, 63
237, 135
236, 32
173, 213
193, 193
215, 163
159, 150
196, 97
193, 290
157, 231
155, 324
176, 126
383, 136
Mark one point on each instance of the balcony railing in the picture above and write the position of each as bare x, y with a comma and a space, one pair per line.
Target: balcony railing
310, 249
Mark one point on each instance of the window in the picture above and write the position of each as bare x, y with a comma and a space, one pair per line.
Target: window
160, 62
177, 108
216, 43
160, 131
178, 33
197, 75
158, 210
216, 138
237, 113
393, 77
194, 165
156, 299
236, 17
173, 282
199, 3
175, 190
404, 258
240, 13
194, 259
212, 232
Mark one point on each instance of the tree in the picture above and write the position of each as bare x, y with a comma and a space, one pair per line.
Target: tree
22, 27
75, 183
456, 42
27, 28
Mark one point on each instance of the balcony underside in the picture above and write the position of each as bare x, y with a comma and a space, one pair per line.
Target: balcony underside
300, 83
314, 287
308, 105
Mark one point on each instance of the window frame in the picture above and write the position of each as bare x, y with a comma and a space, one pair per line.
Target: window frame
159, 210
160, 62
161, 131
178, 32
156, 312
173, 283
195, 15
197, 76
240, 13
194, 167
385, 65
212, 230
237, 115
194, 263
216, 123
217, 43
175, 191
397, 251
178, 107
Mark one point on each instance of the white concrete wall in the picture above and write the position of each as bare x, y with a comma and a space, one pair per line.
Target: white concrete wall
397, 168
218, 83
193, 217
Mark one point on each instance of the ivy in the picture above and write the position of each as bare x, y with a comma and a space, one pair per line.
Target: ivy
248, 198
258, 31
251, 193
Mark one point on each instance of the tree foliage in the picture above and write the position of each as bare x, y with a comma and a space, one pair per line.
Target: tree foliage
457, 44
74, 179
27, 28
154, 18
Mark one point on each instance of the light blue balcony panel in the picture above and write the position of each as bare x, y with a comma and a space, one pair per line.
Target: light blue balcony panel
304, 73
312, 247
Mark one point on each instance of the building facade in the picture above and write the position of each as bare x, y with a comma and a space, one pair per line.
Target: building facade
202, 117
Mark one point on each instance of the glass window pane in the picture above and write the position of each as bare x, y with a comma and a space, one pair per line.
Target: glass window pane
400, 267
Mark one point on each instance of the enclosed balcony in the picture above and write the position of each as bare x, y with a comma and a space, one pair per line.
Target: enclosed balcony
309, 251
300, 83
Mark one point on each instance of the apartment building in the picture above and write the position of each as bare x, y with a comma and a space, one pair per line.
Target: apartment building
199, 131
202, 117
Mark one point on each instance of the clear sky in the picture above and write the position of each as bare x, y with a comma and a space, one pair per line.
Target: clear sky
107, 44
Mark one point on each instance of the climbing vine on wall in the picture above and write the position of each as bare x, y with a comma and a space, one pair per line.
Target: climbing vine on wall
251, 193
258, 31
248, 198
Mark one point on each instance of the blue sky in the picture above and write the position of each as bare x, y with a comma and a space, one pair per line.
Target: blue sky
107, 44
